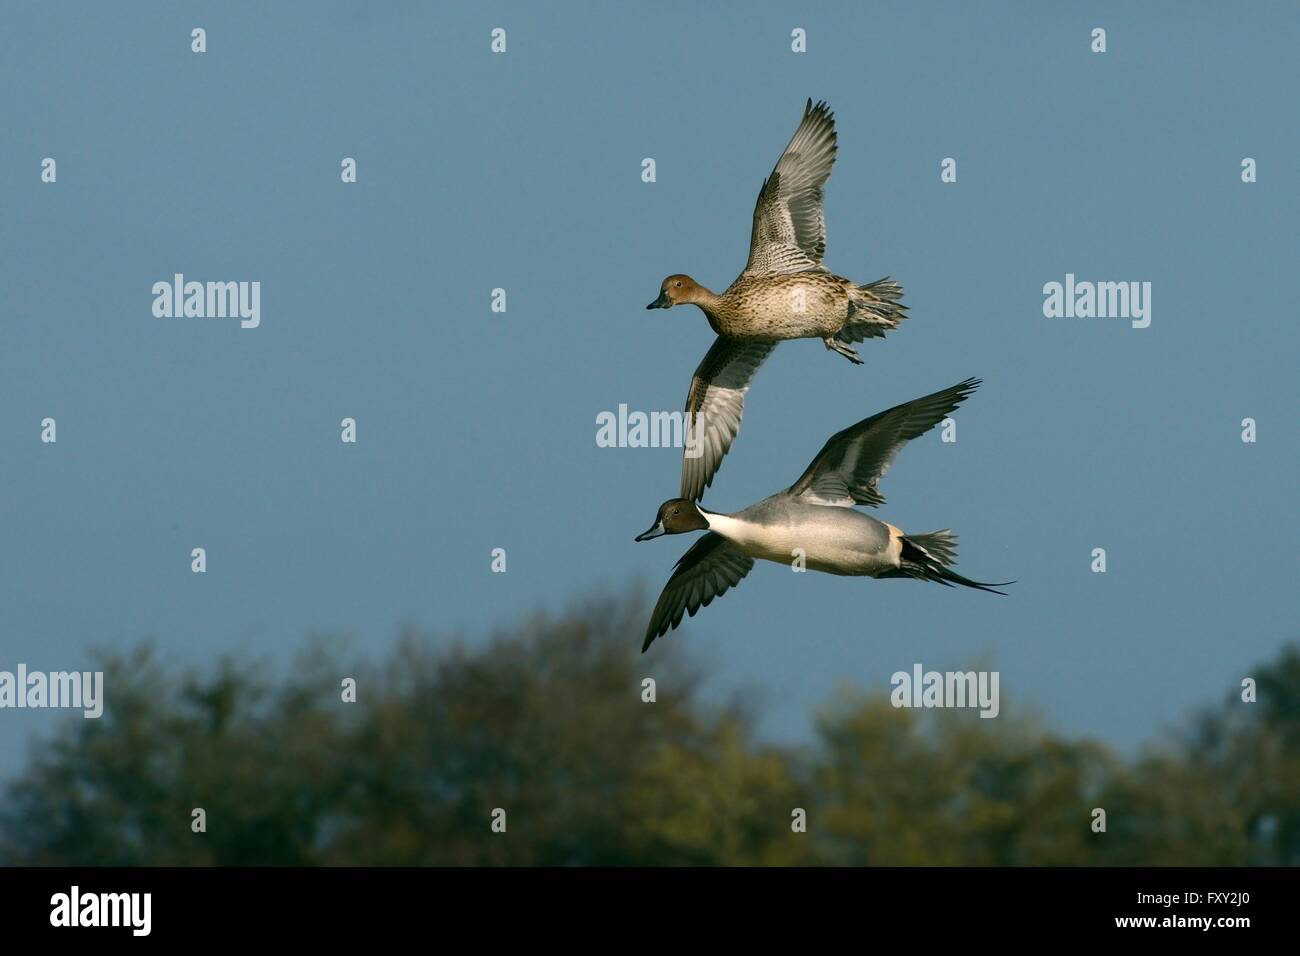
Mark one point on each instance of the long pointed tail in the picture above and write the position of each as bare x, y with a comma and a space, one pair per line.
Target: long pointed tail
874, 309
928, 557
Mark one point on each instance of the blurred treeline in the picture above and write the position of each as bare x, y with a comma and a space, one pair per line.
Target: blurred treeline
546, 721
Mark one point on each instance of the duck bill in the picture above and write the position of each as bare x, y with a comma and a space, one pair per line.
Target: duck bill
654, 532
663, 302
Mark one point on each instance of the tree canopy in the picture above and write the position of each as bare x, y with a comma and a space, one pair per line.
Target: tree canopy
546, 721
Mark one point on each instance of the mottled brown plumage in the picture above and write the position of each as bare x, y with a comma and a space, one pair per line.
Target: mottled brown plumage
801, 305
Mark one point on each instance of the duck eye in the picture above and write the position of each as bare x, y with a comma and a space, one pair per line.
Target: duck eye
677, 285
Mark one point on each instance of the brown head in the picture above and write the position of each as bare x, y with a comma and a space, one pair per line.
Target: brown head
675, 290
676, 516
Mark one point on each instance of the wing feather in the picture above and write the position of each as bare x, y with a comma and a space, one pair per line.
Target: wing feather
850, 465
714, 407
789, 233
708, 570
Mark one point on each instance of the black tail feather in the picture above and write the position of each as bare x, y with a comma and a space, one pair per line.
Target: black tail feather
947, 574
917, 562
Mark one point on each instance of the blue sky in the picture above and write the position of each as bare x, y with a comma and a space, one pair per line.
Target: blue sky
477, 430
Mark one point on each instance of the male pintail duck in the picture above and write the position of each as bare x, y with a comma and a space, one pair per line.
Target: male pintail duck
814, 518
784, 293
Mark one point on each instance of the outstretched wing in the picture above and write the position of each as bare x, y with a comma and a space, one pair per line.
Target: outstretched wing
706, 571
789, 226
714, 407
848, 468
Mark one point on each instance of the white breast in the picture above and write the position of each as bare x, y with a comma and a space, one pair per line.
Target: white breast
770, 541
838, 547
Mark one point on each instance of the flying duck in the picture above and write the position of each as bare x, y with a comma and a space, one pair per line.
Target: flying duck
784, 293
814, 520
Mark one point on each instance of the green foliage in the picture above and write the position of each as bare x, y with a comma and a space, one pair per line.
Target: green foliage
546, 721
949, 788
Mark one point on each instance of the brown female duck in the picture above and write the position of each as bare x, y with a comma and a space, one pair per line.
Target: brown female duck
784, 293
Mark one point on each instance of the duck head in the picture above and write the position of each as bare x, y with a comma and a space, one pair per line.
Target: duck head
675, 290
676, 516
